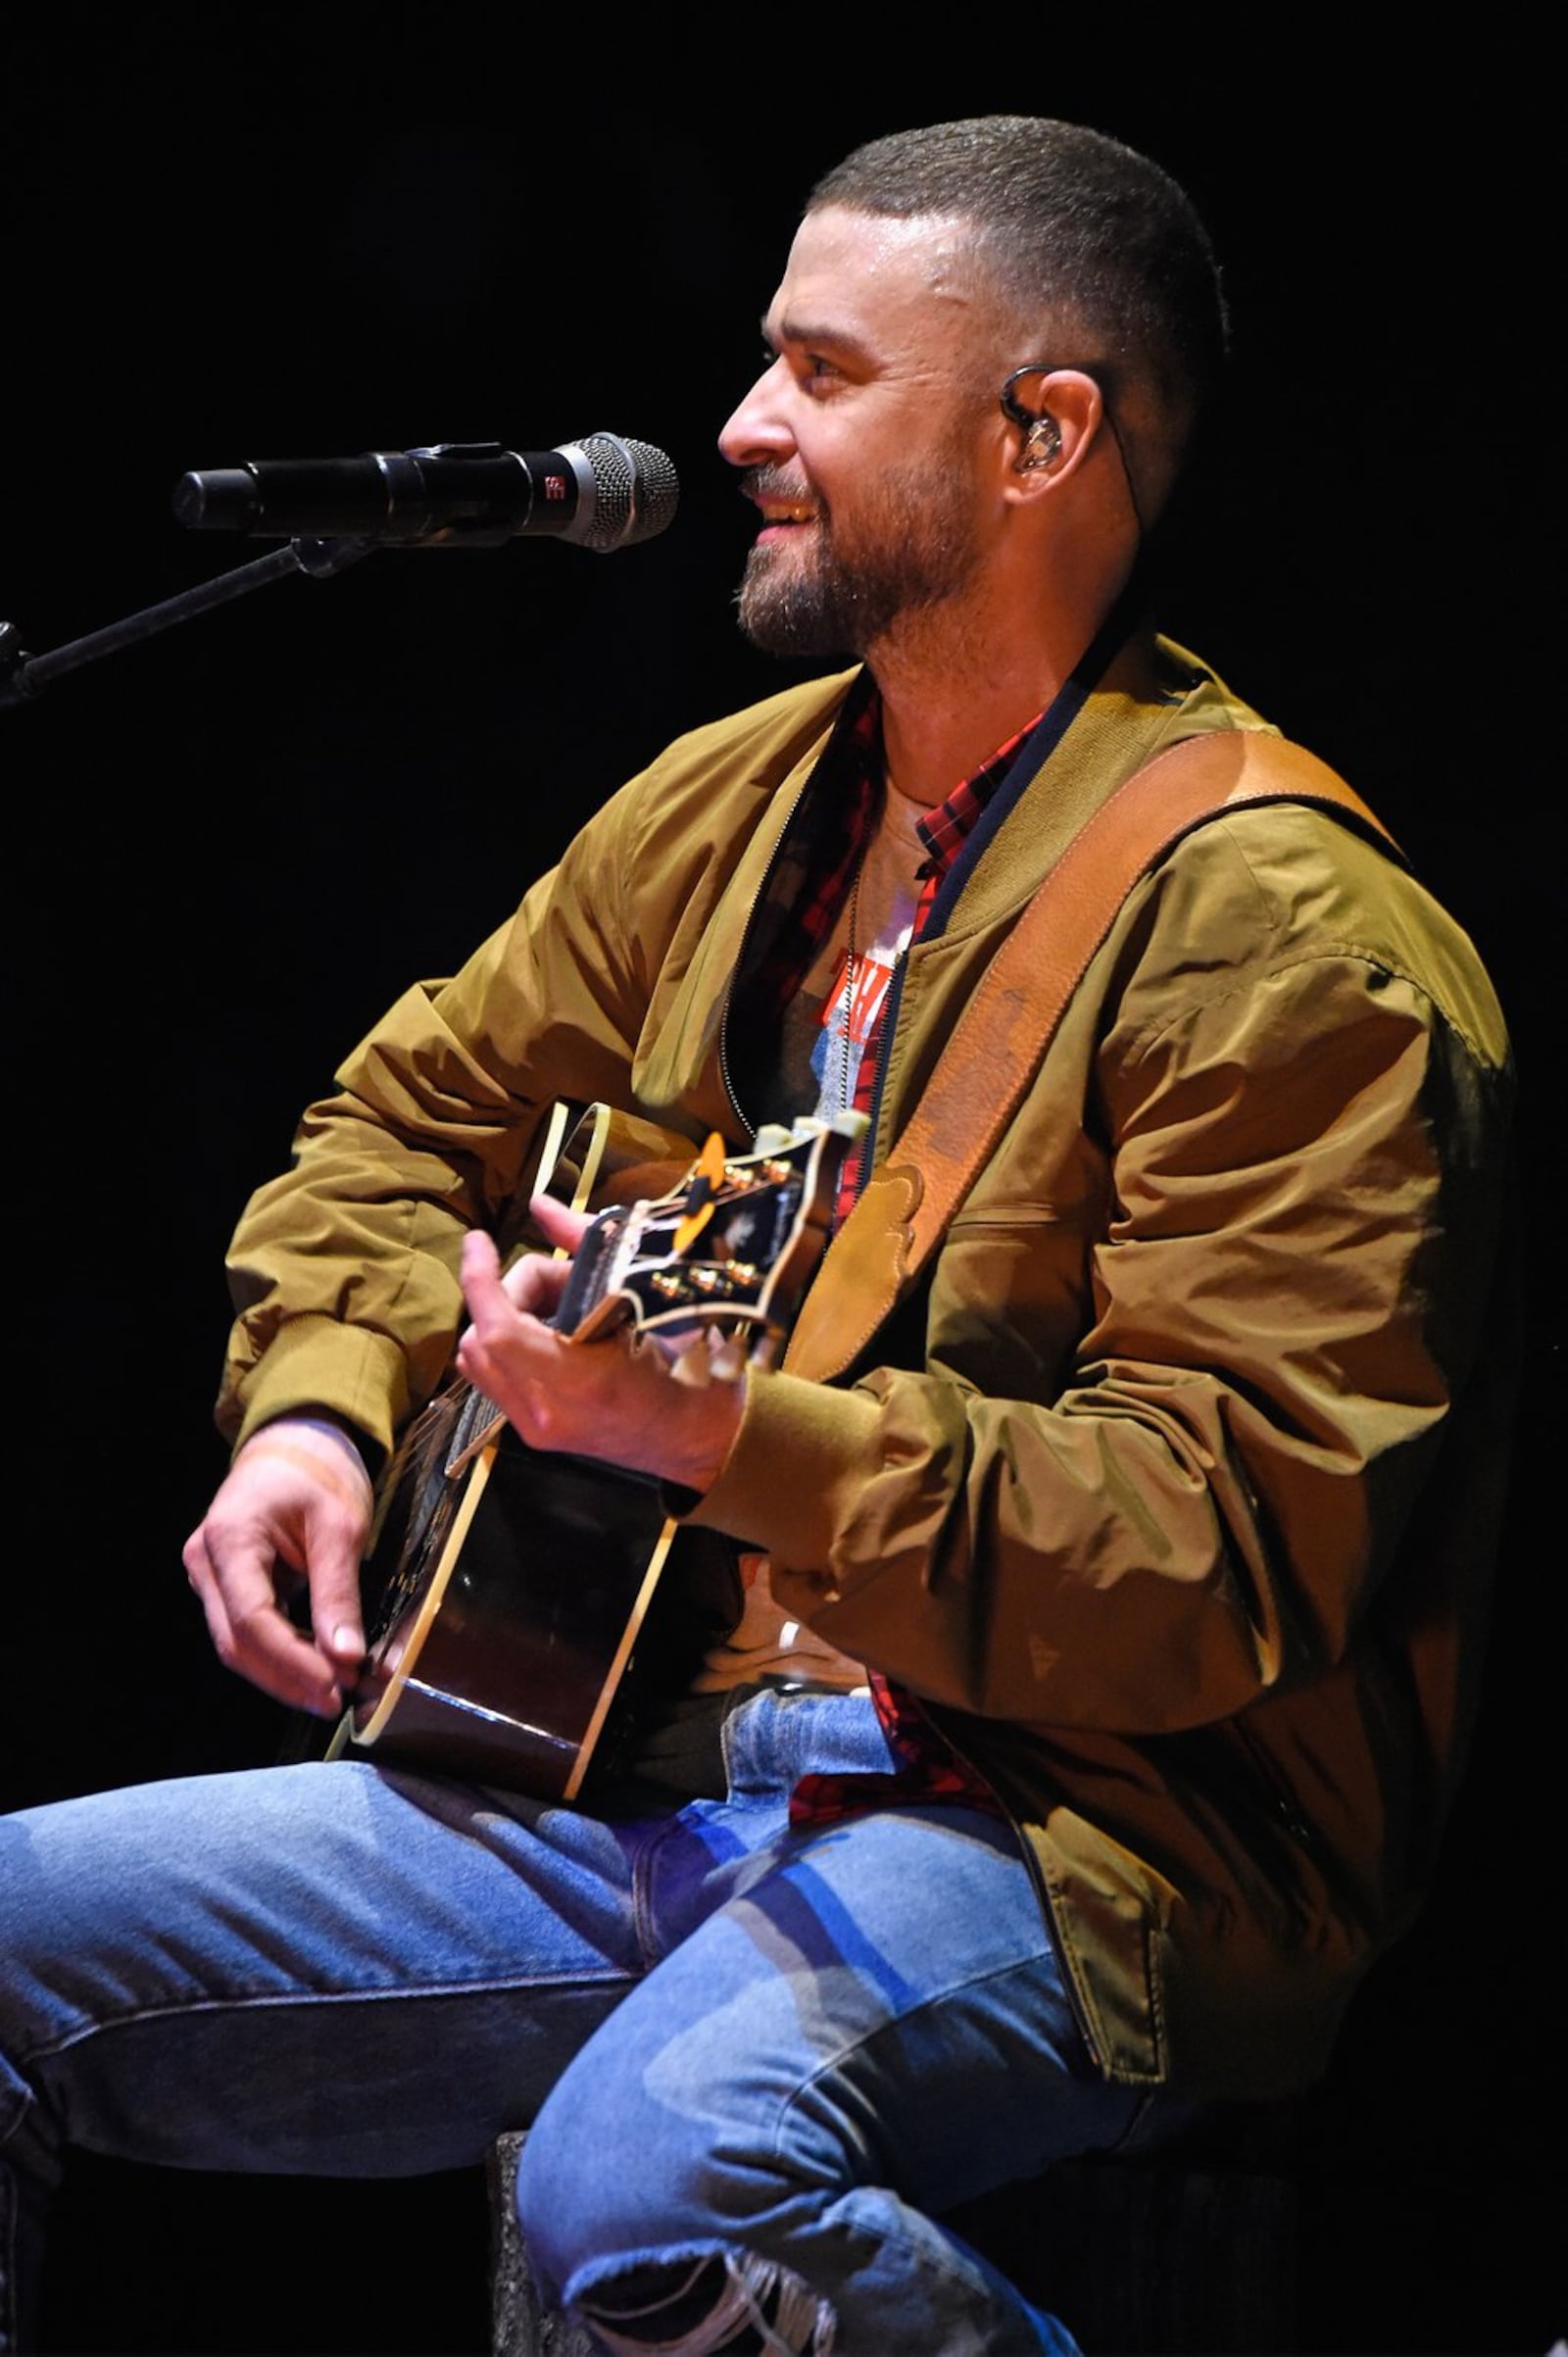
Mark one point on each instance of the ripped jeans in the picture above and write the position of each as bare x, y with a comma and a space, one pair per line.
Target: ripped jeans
757, 2063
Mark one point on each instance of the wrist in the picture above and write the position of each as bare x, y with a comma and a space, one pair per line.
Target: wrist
305, 1430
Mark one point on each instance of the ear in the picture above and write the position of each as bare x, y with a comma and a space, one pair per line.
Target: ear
1066, 413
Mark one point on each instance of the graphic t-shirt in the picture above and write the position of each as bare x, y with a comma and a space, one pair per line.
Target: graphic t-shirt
833, 1018
826, 1031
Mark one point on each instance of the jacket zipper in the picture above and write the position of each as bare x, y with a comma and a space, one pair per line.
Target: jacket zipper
747, 1126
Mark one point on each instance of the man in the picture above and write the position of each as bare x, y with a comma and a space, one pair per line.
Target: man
1099, 1633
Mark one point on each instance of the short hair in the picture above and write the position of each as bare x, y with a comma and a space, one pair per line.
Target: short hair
1083, 232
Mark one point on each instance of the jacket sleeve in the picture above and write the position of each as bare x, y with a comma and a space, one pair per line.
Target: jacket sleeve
343, 1269
1282, 1299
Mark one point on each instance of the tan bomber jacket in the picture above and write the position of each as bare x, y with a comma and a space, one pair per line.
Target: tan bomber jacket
1174, 1490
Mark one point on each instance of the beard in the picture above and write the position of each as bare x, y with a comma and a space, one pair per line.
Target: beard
839, 588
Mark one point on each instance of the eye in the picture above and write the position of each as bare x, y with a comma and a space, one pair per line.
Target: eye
811, 370
816, 372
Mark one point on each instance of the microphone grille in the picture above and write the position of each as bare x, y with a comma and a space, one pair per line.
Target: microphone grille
635, 491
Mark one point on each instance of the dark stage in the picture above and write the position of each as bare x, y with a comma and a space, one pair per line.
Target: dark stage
288, 233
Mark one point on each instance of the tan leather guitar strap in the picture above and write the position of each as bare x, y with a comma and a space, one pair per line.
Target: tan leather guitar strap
1000, 1039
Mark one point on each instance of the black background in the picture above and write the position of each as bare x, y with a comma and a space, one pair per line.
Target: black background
251, 233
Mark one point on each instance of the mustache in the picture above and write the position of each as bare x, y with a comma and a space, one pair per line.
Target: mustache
775, 482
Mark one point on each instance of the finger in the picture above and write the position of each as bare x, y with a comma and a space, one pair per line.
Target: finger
336, 1612
490, 1306
251, 1634
334, 1511
536, 1284
562, 1226
532, 1287
204, 1585
501, 1360
295, 1507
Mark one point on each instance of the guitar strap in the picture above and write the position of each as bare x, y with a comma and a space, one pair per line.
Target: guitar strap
1003, 1032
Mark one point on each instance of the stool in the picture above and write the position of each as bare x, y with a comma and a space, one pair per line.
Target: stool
1190, 2251
520, 2326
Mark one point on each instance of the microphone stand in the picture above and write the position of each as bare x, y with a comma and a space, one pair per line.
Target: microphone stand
24, 676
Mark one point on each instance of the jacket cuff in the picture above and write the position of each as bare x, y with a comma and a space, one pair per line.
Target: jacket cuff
314, 1364
801, 1462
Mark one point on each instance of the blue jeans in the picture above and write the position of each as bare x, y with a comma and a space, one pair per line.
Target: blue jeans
757, 2063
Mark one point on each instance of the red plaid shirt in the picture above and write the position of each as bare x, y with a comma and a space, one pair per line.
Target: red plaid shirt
929, 1768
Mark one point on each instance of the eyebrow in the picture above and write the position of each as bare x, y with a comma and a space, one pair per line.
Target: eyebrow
799, 332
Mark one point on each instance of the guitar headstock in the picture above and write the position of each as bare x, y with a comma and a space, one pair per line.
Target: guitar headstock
725, 1259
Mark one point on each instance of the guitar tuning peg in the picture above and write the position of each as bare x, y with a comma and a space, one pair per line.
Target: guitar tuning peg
727, 1362
692, 1364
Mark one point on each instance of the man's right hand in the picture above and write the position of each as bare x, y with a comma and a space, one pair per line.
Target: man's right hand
294, 1512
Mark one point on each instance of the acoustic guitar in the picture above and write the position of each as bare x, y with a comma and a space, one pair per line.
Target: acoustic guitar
507, 1587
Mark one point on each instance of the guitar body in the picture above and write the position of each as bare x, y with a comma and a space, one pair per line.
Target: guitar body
504, 1638
509, 1587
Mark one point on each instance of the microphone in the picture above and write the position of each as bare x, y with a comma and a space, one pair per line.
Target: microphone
601, 493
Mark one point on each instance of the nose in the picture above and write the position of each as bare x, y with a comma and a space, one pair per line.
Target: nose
756, 432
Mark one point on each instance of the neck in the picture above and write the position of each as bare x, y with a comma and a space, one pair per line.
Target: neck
932, 739
959, 679
948, 699
941, 722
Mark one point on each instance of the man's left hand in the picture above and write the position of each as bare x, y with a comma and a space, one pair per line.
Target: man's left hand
613, 1399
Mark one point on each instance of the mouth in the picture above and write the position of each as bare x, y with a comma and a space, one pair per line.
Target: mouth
782, 511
